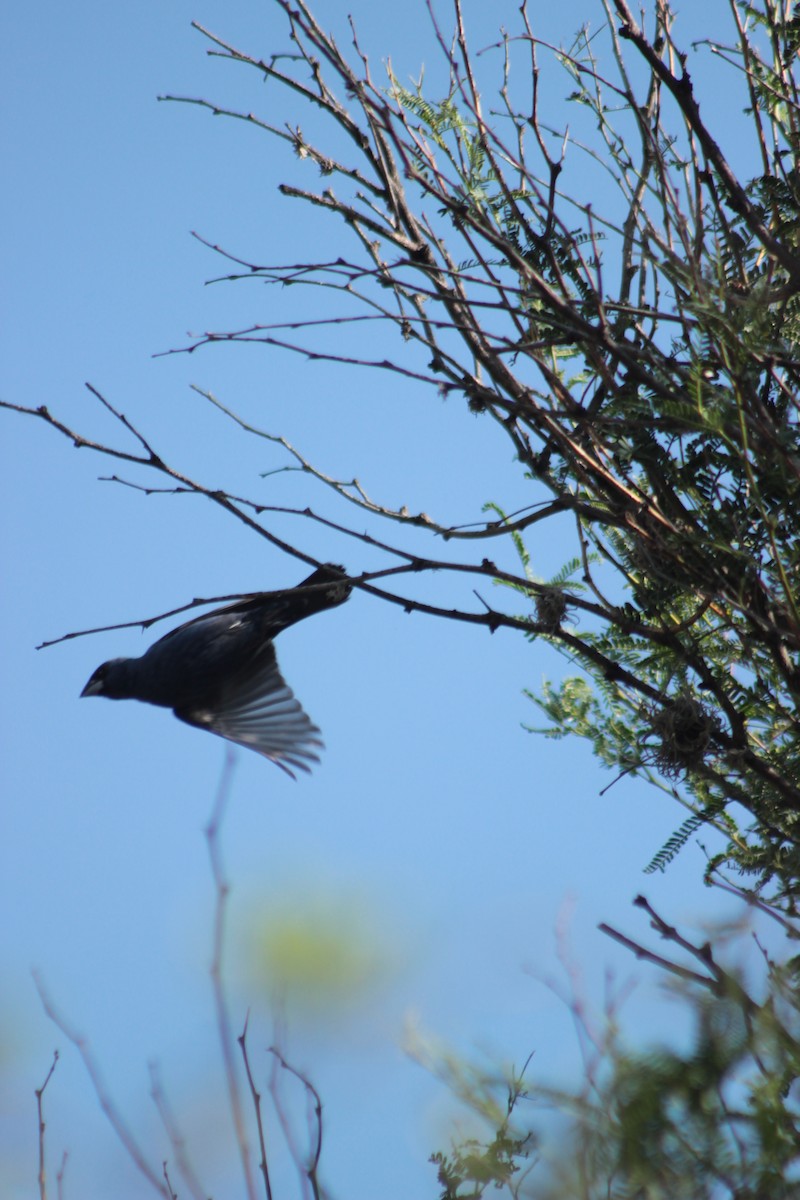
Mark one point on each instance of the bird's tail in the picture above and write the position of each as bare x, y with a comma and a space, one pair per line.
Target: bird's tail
325, 588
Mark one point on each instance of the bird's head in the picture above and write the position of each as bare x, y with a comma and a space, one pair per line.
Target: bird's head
111, 679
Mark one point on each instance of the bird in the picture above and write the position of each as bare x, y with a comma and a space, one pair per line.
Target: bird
219, 671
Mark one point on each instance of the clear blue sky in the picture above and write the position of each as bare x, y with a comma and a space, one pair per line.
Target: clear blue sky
437, 836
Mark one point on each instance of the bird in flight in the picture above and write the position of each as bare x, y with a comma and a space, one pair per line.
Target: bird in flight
219, 671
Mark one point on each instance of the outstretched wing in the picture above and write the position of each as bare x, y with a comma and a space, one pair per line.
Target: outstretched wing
257, 709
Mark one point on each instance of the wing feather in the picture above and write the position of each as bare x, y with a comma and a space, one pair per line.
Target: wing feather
257, 709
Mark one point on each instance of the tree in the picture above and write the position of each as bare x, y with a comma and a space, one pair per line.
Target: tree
641, 359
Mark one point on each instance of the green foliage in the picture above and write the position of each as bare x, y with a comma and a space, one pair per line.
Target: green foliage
458, 138
674, 844
718, 1119
473, 1166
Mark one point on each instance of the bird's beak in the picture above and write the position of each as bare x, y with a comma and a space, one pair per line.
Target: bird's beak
93, 688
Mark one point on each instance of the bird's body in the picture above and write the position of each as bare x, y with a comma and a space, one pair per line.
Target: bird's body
219, 671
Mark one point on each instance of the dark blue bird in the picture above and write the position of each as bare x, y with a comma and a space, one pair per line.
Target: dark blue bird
219, 671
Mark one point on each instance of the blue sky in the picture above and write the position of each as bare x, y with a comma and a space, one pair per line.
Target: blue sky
452, 853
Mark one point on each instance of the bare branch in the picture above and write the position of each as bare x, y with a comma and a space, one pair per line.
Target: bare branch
176, 1138
122, 1131
213, 835
256, 1097
40, 1114
311, 1166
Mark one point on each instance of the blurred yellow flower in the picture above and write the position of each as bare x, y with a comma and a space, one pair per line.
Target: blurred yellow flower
320, 953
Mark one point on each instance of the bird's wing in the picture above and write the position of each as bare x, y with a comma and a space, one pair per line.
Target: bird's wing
257, 709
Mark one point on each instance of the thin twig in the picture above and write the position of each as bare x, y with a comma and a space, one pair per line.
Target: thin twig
126, 1138
60, 1175
176, 1139
227, 1042
40, 1114
285, 1122
173, 1195
311, 1167
256, 1096
658, 960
